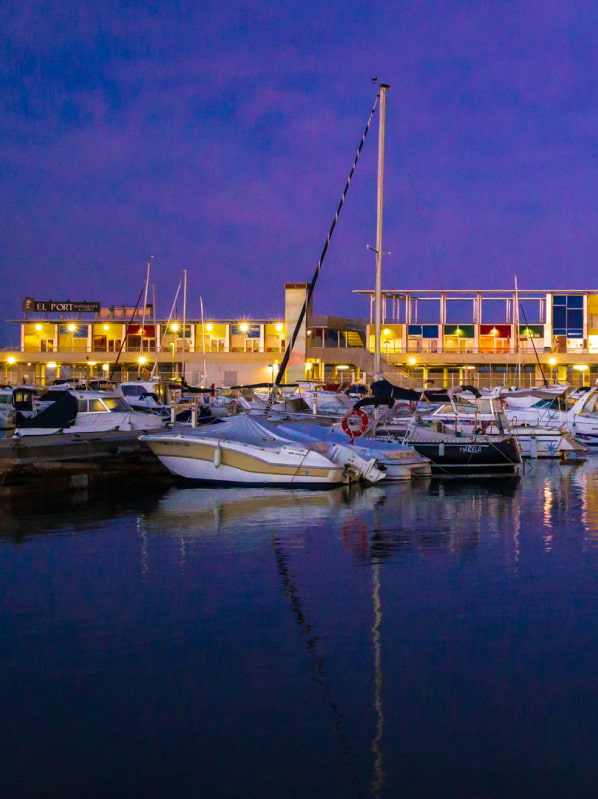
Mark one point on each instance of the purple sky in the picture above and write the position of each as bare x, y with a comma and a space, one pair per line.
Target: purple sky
217, 138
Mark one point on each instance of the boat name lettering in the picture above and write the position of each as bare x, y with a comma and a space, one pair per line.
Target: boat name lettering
470, 448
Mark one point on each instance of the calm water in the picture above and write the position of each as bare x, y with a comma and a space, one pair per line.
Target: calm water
428, 640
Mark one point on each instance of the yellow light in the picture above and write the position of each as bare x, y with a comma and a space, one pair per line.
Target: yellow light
309, 332
10, 360
553, 361
51, 365
341, 368
386, 332
209, 328
38, 327
106, 327
93, 363
279, 328
105, 367
174, 326
494, 331
244, 327
412, 361
581, 367
458, 331
141, 360
72, 328
308, 366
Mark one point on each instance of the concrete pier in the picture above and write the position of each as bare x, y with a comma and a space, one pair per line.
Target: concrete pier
42, 464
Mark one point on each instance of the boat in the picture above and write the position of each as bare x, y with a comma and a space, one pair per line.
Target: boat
453, 449
582, 418
551, 409
400, 461
71, 411
8, 414
488, 415
246, 450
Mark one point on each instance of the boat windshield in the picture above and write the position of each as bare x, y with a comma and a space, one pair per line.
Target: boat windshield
116, 404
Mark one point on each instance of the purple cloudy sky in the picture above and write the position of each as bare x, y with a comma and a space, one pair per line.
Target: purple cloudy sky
217, 137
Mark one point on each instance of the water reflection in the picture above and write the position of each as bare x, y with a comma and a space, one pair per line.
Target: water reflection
401, 640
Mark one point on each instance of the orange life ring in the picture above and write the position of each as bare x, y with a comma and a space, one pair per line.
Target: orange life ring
355, 423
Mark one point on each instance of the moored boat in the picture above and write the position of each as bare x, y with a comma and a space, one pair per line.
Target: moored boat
68, 410
244, 450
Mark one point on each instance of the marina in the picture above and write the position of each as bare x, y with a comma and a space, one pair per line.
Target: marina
426, 639
281, 521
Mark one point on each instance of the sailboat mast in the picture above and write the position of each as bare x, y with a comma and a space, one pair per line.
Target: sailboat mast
184, 322
147, 278
379, 219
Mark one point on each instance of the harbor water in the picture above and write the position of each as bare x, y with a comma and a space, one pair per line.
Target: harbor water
431, 639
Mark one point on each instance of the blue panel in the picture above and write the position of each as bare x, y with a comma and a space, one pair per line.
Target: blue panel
559, 299
430, 331
575, 301
575, 318
414, 330
559, 317
253, 331
574, 333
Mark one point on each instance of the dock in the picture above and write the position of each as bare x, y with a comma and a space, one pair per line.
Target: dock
48, 463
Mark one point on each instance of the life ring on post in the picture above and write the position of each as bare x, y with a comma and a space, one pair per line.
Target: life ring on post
355, 423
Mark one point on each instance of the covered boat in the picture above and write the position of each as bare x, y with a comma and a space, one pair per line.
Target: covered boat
245, 450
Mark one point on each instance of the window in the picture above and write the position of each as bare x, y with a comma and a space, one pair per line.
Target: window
567, 315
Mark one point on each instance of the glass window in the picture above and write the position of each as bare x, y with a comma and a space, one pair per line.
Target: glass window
115, 404
575, 301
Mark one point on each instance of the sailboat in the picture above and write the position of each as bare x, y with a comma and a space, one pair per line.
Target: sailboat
451, 453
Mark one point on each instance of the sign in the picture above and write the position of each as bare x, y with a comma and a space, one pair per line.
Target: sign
54, 306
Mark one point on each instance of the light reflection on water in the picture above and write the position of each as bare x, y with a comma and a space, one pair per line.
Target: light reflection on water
435, 639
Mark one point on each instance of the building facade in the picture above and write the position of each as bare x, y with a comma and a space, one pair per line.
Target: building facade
481, 337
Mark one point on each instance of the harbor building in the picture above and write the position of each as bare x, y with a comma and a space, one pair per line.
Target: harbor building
485, 338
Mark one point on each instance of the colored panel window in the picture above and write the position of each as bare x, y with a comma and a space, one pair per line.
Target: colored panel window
559, 317
80, 331
574, 333
415, 330
560, 299
535, 331
252, 331
430, 331
574, 318
463, 331
575, 301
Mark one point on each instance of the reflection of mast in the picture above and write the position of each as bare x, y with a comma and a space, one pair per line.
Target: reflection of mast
311, 642
379, 776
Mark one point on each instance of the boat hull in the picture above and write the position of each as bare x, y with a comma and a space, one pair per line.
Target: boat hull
229, 463
475, 458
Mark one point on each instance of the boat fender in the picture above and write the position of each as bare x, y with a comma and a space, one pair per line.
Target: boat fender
217, 457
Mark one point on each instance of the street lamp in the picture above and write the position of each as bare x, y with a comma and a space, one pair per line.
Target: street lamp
10, 361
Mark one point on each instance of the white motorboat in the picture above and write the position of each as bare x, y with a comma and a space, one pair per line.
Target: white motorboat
401, 462
488, 415
245, 450
582, 418
72, 411
8, 414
